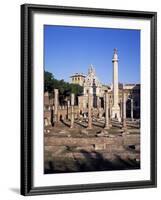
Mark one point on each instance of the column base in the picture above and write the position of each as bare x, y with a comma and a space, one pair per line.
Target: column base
115, 113
124, 128
106, 127
89, 128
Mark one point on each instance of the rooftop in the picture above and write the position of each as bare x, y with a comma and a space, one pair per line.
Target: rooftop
78, 74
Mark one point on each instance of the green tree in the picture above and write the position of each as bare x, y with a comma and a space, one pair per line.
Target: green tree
65, 88
48, 81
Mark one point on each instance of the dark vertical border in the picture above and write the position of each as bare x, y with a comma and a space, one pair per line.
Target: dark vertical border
27, 11
26, 101
153, 99
24, 131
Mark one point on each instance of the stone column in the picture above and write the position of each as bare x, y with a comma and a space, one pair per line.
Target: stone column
132, 108
56, 102
110, 112
72, 111
121, 108
68, 106
124, 110
104, 103
99, 107
106, 111
89, 110
98, 102
46, 122
115, 107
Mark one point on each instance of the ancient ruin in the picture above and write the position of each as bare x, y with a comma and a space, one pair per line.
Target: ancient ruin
96, 130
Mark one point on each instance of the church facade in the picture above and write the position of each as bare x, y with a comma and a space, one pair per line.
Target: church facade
92, 86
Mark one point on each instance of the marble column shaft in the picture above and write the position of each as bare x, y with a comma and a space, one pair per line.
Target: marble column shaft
132, 117
89, 111
56, 102
121, 108
106, 111
68, 105
115, 83
72, 111
98, 102
124, 109
115, 107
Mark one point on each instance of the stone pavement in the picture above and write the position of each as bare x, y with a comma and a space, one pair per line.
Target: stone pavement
80, 149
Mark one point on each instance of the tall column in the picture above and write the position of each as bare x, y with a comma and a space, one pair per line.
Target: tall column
115, 107
89, 110
98, 102
124, 110
106, 111
68, 105
99, 108
110, 110
121, 108
72, 111
132, 108
56, 102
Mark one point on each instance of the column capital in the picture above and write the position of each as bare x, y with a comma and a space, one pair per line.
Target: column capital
115, 56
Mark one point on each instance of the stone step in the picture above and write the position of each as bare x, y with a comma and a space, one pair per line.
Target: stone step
103, 154
108, 148
66, 141
131, 139
133, 125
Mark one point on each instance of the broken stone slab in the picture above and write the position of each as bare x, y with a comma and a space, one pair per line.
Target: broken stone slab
115, 148
63, 132
103, 133
134, 147
85, 148
49, 149
112, 136
84, 131
120, 134
137, 131
137, 147
99, 146
118, 131
131, 140
60, 150
47, 131
125, 133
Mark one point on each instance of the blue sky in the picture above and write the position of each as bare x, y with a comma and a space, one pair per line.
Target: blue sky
68, 50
